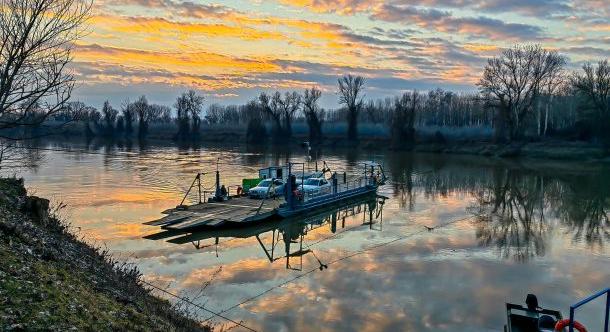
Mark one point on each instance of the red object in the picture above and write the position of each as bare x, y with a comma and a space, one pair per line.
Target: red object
239, 190
566, 322
297, 194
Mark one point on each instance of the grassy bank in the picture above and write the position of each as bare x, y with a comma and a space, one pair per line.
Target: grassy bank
51, 280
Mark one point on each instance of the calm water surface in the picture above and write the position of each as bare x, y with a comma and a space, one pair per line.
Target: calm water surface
502, 230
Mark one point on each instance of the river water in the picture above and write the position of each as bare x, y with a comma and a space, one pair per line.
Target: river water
502, 229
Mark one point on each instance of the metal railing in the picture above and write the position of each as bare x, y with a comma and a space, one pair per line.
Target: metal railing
587, 300
341, 187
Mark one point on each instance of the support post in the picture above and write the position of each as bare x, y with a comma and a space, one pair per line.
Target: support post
199, 184
218, 194
335, 183
187, 192
607, 311
289, 189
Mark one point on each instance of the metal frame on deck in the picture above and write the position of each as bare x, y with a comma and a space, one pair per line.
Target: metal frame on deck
587, 300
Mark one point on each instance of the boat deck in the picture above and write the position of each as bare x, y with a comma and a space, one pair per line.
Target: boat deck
234, 210
242, 211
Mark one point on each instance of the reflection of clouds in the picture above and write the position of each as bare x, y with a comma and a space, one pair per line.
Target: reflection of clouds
420, 290
441, 280
242, 272
158, 279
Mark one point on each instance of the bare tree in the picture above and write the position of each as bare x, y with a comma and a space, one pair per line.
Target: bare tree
512, 84
81, 112
92, 118
271, 106
313, 114
550, 88
160, 113
109, 114
142, 109
594, 84
403, 119
213, 114
36, 39
350, 95
195, 109
256, 131
128, 116
189, 104
291, 105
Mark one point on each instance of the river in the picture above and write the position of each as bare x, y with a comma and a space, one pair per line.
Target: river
502, 229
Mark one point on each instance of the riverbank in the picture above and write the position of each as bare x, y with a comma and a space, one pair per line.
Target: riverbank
461, 143
51, 280
550, 150
545, 150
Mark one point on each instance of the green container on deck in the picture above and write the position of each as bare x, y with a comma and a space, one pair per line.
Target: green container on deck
249, 183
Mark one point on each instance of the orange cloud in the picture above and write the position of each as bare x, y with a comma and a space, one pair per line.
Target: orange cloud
195, 62
164, 27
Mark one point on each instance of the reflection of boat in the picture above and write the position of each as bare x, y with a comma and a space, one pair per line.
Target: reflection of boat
290, 230
535, 319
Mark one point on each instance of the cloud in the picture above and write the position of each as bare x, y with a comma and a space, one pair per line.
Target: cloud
427, 15
172, 60
537, 8
588, 50
444, 21
164, 28
336, 6
396, 44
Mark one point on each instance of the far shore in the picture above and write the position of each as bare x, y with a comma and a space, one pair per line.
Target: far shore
544, 148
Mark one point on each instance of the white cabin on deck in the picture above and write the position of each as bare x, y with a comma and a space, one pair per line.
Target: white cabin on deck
274, 172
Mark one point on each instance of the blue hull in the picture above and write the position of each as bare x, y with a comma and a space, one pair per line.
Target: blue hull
324, 201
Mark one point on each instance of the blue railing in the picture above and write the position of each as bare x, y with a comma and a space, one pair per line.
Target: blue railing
587, 300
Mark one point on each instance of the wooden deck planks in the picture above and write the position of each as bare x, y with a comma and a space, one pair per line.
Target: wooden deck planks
170, 219
235, 210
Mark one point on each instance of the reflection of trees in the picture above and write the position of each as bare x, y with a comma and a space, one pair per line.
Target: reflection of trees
511, 214
16, 156
401, 167
582, 203
512, 211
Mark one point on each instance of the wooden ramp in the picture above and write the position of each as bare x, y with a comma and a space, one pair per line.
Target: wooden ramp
234, 210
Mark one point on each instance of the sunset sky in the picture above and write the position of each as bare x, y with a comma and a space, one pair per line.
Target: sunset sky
232, 50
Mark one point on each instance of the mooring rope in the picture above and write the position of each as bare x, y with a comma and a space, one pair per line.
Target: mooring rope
359, 252
198, 306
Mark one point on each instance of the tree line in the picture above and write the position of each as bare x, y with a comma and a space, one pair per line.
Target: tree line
525, 92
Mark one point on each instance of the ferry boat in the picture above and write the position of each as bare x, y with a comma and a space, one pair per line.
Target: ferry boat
302, 193
533, 318
338, 188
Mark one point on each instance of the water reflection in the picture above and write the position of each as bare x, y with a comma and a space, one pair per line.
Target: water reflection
582, 203
288, 234
527, 227
513, 210
510, 214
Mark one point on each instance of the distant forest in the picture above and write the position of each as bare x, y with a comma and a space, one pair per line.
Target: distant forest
525, 93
